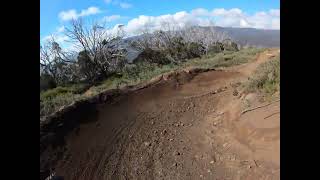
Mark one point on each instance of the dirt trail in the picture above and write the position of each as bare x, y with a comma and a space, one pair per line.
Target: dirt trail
188, 127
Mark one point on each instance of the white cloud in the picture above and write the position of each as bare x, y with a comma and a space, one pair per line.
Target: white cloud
90, 11
72, 13
275, 23
59, 38
62, 40
237, 18
200, 12
111, 18
115, 30
178, 20
46, 38
60, 29
125, 5
275, 12
202, 17
228, 13
68, 15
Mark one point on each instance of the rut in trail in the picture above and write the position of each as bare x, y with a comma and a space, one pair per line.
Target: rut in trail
185, 127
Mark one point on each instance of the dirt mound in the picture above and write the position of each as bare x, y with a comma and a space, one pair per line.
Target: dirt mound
180, 125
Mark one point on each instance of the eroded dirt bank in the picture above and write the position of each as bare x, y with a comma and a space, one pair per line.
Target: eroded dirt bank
185, 125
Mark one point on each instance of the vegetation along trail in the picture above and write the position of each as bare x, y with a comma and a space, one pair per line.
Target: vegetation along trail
188, 125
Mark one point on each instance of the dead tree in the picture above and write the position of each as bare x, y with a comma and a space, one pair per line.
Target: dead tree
103, 48
55, 62
207, 36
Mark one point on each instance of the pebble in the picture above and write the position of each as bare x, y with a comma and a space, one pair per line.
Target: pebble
211, 162
147, 143
164, 131
201, 176
170, 139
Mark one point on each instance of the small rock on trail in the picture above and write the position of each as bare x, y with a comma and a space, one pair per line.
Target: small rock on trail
147, 143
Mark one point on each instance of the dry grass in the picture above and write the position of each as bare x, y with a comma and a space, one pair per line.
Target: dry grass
266, 79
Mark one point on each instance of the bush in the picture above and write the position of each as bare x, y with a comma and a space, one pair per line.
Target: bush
215, 48
47, 82
78, 88
224, 59
49, 94
152, 56
230, 46
87, 68
73, 89
181, 51
266, 78
195, 50
54, 103
177, 50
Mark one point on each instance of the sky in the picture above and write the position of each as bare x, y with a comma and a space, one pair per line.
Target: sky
55, 15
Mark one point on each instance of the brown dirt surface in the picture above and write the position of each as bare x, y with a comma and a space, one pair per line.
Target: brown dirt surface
188, 126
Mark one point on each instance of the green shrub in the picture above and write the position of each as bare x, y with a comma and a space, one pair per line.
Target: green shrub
152, 56
266, 78
48, 106
224, 59
47, 82
73, 89
49, 94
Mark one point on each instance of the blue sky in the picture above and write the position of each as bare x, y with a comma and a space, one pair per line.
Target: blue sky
55, 14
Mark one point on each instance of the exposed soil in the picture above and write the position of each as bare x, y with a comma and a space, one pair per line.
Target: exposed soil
186, 126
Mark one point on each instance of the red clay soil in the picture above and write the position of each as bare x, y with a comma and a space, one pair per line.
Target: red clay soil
185, 125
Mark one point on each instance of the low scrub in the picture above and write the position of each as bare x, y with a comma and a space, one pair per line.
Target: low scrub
73, 89
225, 59
48, 106
52, 100
266, 78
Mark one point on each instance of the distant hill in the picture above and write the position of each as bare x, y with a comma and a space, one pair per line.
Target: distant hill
253, 37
